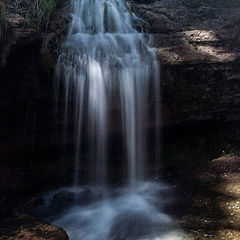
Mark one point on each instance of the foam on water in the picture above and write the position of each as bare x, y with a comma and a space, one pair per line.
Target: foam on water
103, 62
106, 64
125, 215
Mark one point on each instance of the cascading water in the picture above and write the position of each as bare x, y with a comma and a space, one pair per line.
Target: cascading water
106, 63
103, 60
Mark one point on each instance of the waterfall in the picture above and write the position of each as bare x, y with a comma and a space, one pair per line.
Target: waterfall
109, 74
104, 61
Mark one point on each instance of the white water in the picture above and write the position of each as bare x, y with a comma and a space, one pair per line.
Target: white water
106, 63
126, 215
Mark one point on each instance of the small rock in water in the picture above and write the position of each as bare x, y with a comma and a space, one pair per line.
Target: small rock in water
63, 199
39, 202
85, 197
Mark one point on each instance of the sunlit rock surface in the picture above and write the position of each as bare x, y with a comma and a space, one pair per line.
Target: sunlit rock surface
212, 210
29, 228
197, 44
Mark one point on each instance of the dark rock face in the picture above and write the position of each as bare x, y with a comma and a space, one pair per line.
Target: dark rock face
57, 202
200, 92
30, 228
28, 122
199, 54
28, 57
197, 45
65, 199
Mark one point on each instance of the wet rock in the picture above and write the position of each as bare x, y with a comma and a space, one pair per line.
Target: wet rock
32, 207
39, 202
63, 199
29, 228
67, 198
85, 197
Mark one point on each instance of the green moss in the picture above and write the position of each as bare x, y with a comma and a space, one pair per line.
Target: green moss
36, 12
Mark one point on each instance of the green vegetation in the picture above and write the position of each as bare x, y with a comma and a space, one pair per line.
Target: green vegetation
36, 12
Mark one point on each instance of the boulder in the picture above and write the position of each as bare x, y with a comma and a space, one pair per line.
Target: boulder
62, 200
29, 228
85, 197
66, 199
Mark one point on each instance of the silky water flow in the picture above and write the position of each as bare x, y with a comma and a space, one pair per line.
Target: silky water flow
106, 61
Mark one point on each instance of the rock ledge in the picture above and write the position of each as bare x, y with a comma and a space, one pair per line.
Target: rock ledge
30, 228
